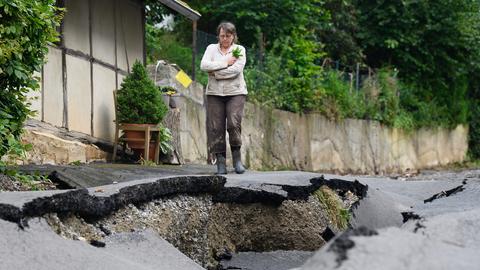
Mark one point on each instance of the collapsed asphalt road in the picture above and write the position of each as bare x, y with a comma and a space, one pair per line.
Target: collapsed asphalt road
429, 223
438, 228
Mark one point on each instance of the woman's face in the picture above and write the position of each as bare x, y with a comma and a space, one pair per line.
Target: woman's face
226, 39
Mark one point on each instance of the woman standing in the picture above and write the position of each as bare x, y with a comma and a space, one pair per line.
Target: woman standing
226, 95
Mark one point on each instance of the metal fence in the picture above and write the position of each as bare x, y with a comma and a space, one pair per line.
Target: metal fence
203, 40
354, 75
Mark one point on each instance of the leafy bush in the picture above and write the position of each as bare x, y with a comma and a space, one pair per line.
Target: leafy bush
265, 85
26, 28
166, 46
474, 132
433, 44
165, 140
339, 99
288, 79
139, 101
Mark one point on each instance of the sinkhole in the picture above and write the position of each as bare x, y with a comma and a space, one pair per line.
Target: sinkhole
202, 217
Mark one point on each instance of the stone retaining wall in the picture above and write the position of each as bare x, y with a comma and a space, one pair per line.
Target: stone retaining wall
275, 139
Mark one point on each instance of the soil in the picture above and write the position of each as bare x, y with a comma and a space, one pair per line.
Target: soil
8, 183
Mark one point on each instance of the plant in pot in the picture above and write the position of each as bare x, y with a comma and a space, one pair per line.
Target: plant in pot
168, 94
139, 103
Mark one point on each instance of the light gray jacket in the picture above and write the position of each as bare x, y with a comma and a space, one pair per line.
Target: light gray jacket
224, 80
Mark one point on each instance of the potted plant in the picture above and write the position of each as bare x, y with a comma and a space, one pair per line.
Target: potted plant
168, 94
139, 103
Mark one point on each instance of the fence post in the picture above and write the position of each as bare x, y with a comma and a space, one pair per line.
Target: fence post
261, 48
357, 77
194, 47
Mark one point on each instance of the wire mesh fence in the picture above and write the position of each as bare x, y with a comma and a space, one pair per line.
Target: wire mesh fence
355, 75
203, 40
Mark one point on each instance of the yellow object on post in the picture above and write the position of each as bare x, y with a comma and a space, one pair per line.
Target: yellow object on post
183, 78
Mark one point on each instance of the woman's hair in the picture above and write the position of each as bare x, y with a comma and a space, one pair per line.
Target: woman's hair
229, 28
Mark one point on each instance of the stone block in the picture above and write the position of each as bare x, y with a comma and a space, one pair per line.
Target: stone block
50, 149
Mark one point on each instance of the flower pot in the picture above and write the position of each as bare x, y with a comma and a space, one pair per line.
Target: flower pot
174, 101
166, 99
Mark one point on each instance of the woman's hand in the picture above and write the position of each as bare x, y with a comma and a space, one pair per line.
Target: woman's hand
231, 60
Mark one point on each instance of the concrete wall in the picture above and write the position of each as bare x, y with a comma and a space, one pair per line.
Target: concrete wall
89, 63
274, 139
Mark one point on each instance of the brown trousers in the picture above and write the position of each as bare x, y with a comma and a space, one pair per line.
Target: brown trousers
224, 114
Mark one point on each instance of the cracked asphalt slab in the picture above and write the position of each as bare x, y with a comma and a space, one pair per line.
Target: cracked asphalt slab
443, 234
38, 247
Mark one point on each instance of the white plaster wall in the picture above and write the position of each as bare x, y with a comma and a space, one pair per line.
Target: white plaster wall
103, 33
78, 94
129, 34
35, 98
120, 80
76, 26
103, 105
53, 88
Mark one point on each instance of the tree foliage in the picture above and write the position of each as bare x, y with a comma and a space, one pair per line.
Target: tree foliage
26, 28
274, 19
339, 35
433, 44
288, 78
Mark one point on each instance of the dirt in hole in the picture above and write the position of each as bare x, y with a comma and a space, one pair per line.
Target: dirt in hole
206, 231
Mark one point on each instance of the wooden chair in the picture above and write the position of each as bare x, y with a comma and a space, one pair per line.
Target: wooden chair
146, 128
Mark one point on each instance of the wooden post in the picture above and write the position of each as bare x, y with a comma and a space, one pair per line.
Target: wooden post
194, 47
261, 47
357, 78
144, 42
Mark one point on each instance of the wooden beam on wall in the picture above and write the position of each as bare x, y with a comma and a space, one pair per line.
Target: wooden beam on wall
42, 85
144, 43
61, 44
90, 15
115, 2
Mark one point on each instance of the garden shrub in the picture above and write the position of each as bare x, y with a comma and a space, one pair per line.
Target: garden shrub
26, 30
139, 101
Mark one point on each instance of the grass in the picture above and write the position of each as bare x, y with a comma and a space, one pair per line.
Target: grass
147, 162
470, 164
332, 204
32, 182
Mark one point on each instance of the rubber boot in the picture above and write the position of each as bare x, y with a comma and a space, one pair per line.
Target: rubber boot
221, 163
237, 160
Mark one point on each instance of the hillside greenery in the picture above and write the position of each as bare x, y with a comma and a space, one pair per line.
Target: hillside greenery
419, 60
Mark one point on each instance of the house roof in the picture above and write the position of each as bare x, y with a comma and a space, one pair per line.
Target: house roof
182, 8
